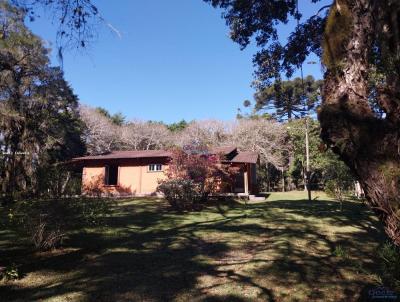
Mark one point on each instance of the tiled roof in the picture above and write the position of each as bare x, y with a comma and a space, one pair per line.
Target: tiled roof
240, 157
127, 154
245, 157
224, 150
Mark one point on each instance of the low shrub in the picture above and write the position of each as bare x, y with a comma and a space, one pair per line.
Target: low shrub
388, 261
338, 181
340, 252
92, 211
337, 190
389, 256
182, 194
45, 233
10, 272
47, 222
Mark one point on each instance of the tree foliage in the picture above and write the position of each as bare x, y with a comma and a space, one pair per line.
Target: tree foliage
178, 126
266, 137
141, 135
100, 133
77, 20
203, 133
116, 118
257, 21
324, 164
338, 181
39, 122
290, 99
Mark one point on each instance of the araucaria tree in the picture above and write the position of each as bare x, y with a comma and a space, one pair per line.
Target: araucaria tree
359, 43
289, 99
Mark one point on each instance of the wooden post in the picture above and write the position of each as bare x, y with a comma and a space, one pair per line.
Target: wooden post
140, 179
308, 172
246, 181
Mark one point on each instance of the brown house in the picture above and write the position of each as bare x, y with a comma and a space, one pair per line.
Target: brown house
137, 173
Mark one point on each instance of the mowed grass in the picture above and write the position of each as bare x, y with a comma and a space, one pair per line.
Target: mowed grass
281, 249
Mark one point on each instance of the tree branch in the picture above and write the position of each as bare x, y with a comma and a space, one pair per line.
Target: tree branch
320, 10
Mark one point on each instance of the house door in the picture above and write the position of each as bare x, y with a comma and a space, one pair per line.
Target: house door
239, 182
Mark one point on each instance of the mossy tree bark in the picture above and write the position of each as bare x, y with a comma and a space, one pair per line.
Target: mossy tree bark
368, 143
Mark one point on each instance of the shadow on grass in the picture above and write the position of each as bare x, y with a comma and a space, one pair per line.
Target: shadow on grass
149, 254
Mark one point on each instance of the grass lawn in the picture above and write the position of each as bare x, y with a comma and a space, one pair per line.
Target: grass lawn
281, 249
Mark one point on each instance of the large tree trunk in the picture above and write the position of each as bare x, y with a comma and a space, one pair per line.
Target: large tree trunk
370, 145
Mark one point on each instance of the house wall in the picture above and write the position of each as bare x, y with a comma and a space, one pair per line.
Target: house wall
134, 178
92, 174
150, 179
129, 178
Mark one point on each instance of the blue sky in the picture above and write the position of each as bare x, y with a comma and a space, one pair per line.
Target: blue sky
174, 60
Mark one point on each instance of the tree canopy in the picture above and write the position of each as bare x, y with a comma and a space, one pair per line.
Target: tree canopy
77, 20
116, 118
289, 99
39, 122
259, 20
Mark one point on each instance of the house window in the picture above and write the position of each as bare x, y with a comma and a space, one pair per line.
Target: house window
111, 175
155, 167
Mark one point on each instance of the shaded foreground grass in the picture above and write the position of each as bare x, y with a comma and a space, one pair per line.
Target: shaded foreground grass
281, 249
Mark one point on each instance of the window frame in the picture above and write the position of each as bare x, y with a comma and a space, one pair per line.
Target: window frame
107, 175
153, 168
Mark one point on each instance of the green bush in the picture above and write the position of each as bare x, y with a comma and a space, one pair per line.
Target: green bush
338, 180
389, 255
182, 194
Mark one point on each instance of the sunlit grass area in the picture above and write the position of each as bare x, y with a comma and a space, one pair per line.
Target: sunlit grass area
282, 249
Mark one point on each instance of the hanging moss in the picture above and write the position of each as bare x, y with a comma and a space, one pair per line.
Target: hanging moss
336, 34
391, 175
